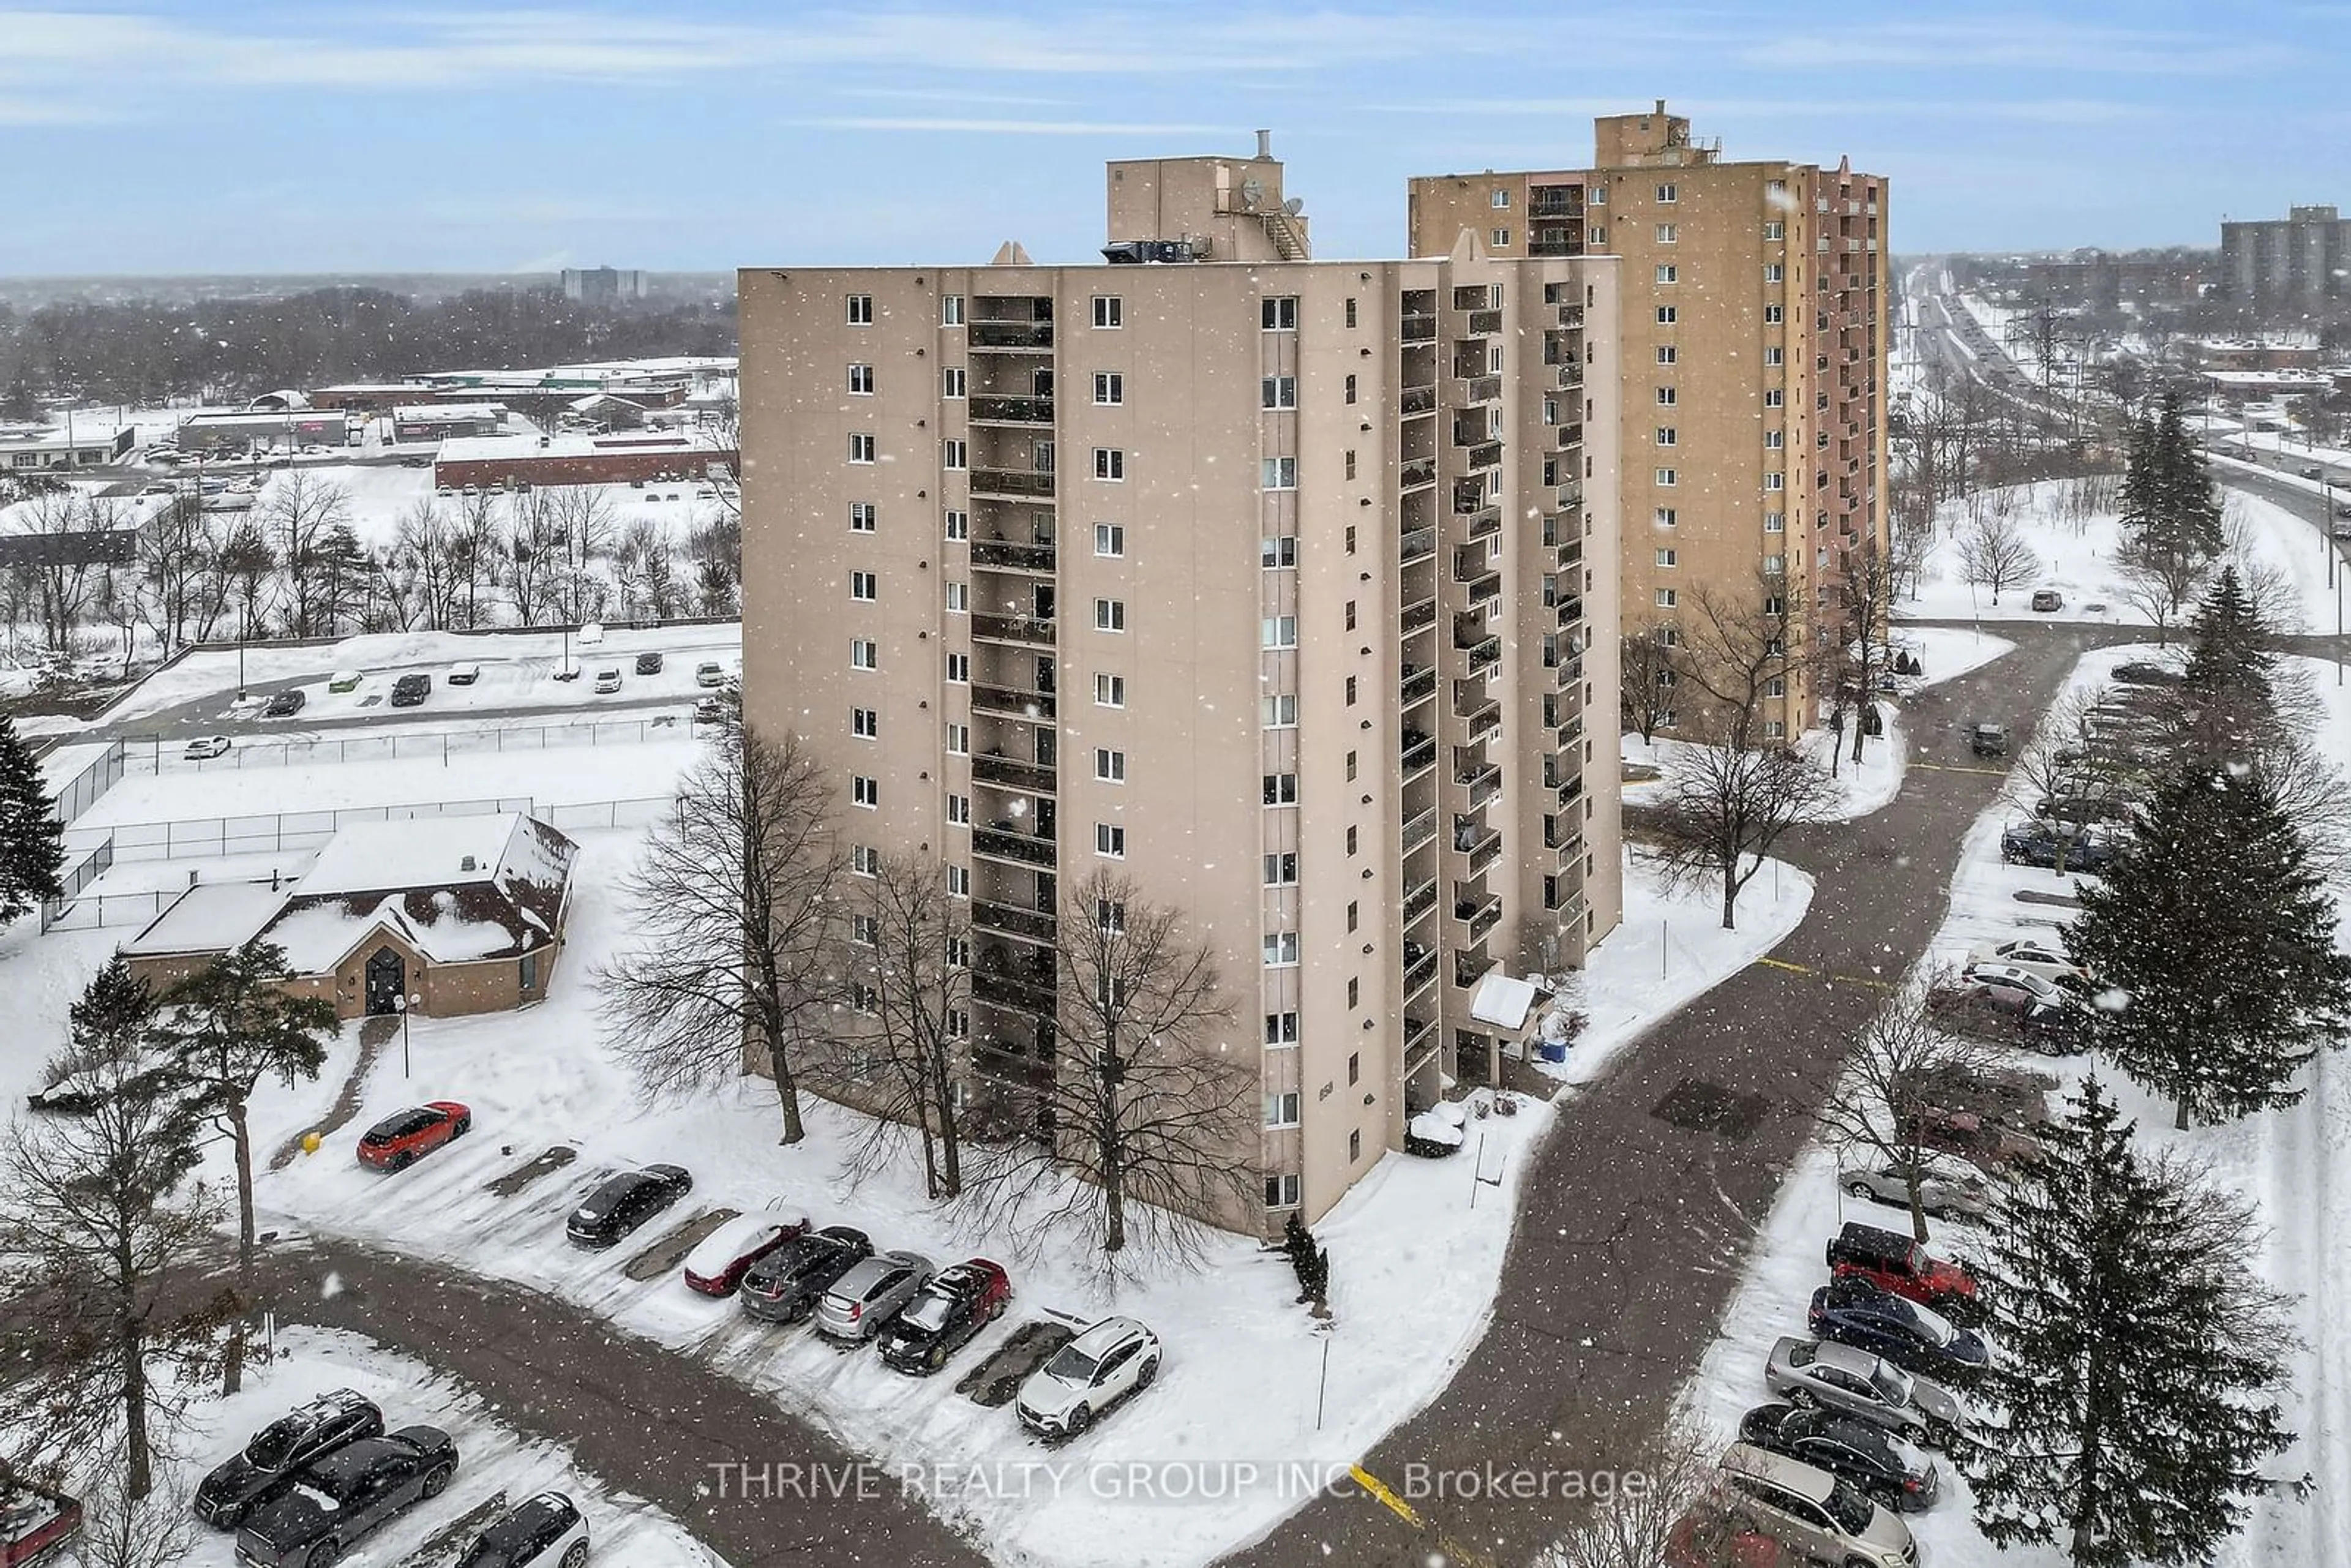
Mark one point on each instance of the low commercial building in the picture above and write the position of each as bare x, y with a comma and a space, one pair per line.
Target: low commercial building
370, 397
446, 916
578, 459
267, 427
85, 446
447, 421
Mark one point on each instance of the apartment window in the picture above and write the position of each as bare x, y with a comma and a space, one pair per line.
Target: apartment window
1281, 789
956, 383
1354, 1067
866, 792
1109, 840
864, 723
1352, 839
1667, 234
1110, 539
1596, 235
861, 516
1667, 477
1349, 384
1350, 538
958, 526
1775, 522
1110, 388
1667, 558
1278, 474
1667, 316
959, 669
861, 380
1775, 315
950, 309
861, 447
1278, 632
1668, 193
1110, 690
1775, 355
864, 860
863, 654
1281, 1028
1668, 598
1280, 948
1354, 1144
1773, 272
958, 881
1596, 196
958, 740
1281, 870
1277, 552
861, 586
1501, 200
958, 598
1109, 767
1773, 440
1774, 228
1501, 239
955, 455
1280, 392
1666, 517
1774, 397
1110, 462
1669, 273
1350, 691
1108, 312
1667, 435
861, 309
1279, 315
1110, 615
1281, 711
866, 930
1110, 914
1775, 565
1775, 730
1354, 991
1775, 481
959, 811
1351, 463
1351, 768
1668, 354
1668, 397
1281, 1110
1282, 1191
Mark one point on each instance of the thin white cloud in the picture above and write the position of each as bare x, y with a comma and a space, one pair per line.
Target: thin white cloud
1011, 127
2047, 112
2022, 43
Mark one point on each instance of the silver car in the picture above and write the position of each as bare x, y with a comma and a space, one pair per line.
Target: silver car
1825, 1518
871, 1294
1816, 1374
1939, 1194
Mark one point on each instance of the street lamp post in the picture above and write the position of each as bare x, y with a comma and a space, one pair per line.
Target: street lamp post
400, 1005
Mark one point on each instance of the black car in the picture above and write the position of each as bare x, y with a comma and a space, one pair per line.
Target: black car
1889, 1469
266, 1465
786, 1285
1987, 740
347, 1496
2145, 675
625, 1202
410, 691
649, 664
1857, 1313
2040, 843
955, 1304
285, 704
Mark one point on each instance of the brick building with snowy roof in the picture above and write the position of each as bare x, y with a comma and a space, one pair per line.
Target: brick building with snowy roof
458, 915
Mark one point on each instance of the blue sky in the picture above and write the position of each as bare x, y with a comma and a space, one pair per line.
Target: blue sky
146, 136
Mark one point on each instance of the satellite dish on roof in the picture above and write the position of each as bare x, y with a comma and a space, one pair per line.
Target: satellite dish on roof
1295, 206
1252, 193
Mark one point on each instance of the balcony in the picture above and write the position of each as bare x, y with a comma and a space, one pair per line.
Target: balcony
1419, 753
1570, 315
1012, 484
1481, 844
1491, 646
1418, 544
1569, 435
1022, 849
1419, 901
1420, 471
1571, 610
1031, 924
1569, 375
1418, 972
991, 409
1416, 686
1009, 773
1015, 989
1483, 522
1416, 617
1419, 1037
1572, 790
1468, 969
1487, 454
1481, 915
1483, 783
1551, 246
1472, 390
1469, 563
1005, 556
1417, 327
1485, 589
1570, 494
1025, 629
1418, 400
1025, 336
1485, 723
1418, 830
1562, 203
1485, 324
1013, 702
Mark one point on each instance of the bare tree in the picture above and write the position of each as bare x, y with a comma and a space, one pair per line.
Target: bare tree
1724, 809
1877, 1101
2161, 582
1864, 603
61, 573
1145, 1122
159, 1531
171, 557
1647, 687
1664, 1477
732, 969
533, 558
424, 544
1993, 551
472, 557
910, 990
1732, 656
298, 514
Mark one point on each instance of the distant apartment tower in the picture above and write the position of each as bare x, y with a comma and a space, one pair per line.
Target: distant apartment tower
1751, 373
602, 285
2295, 262
1283, 586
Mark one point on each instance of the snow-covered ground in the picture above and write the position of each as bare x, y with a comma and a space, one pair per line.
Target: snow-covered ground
1950, 652
1859, 789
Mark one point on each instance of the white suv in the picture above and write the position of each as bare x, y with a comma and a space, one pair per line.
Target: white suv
1813, 1511
545, 1533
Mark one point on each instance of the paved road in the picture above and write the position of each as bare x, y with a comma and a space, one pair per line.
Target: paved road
642, 1418
1632, 1232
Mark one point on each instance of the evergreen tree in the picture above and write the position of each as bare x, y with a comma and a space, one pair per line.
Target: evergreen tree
2228, 703
32, 839
2135, 1401
2218, 941
116, 1012
2140, 502
2185, 498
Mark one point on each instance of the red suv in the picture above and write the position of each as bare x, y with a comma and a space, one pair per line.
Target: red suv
401, 1139
1891, 1261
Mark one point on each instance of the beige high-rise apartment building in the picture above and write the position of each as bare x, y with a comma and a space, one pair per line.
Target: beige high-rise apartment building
1753, 372
1283, 586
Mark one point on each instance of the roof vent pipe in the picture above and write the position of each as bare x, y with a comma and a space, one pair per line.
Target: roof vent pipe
1265, 143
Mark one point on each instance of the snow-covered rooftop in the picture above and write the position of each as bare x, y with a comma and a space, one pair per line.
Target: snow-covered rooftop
449, 412
423, 852
505, 448
211, 917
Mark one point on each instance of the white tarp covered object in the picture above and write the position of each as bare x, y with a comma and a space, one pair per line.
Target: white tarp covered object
1504, 1002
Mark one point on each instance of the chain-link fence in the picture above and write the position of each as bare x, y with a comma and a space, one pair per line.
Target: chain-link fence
155, 754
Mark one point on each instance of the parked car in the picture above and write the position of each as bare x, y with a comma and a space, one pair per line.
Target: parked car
785, 1286
2313, 471
2010, 1015
1891, 1259
625, 1202
1987, 740
2139, 673
1894, 1472
204, 747
1111, 1360
1939, 1194
418, 460
2041, 955
1711, 1536
1984, 1142
344, 681
464, 675
548, 1532
285, 704
401, 1139
1823, 1517
348, 1496
2045, 599
35, 1524
2040, 843
2083, 809
1813, 1373
862, 1302
267, 1464
719, 1260
2022, 983
1856, 1311
410, 691
608, 680
944, 1314
713, 710
709, 673
649, 663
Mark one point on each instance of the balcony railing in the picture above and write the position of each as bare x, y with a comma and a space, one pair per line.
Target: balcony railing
1014, 702
1556, 206
1418, 400
1010, 335
1025, 629
1009, 773
1416, 685
1569, 376
1418, 973
1004, 554
1571, 435
990, 408
1014, 989
1012, 919
1018, 484
1485, 723
1477, 646
1417, 1033
1026, 849
1418, 830
1570, 315
1571, 610
1468, 969
1485, 919
1416, 616
1571, 790
1554, 246
1417, 328
1417, 545
1419, 756
1487, 456
1485, 323
1476, 778
1419, 901
1485, 520
1481, 389
1486, 588
1418, 471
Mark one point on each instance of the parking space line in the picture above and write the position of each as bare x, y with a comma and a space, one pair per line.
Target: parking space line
1961, 768
1784, 964
1373, 1485
1871, 982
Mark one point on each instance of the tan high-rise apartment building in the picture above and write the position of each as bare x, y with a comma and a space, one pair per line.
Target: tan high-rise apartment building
1753, 338
1283, 586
